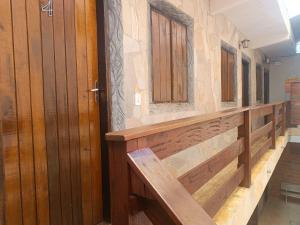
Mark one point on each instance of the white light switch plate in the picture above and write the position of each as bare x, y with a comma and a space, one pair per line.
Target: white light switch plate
138, 99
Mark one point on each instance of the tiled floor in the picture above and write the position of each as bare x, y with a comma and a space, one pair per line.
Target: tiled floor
277, 212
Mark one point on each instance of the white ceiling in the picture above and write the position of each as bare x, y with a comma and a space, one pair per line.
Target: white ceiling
263, 22
279, 50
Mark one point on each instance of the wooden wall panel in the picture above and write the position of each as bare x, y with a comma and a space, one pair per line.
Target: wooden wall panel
51, 150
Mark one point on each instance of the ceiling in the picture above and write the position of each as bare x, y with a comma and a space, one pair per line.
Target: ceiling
263, 22
295, 23
281, 49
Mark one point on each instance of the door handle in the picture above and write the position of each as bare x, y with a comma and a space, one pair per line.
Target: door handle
96, 91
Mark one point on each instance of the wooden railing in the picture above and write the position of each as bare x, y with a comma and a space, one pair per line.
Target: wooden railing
141, 183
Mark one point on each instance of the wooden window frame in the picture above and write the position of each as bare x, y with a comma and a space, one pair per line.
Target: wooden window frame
247, 59
185, 81
259, 91
227, 98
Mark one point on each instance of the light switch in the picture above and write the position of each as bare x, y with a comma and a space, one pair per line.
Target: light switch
138, 99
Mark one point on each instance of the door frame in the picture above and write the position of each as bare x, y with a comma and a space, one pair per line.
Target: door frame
104, 98
266, 84
246, 59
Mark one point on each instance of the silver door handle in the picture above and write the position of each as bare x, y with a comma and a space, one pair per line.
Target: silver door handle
94, 90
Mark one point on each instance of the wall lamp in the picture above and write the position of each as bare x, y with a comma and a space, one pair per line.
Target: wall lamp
244, 43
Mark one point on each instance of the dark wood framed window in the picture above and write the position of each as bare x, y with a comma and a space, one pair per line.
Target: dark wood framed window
227, 75
169, 59
259, 83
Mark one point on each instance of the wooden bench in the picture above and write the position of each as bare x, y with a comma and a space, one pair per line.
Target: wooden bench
290, 190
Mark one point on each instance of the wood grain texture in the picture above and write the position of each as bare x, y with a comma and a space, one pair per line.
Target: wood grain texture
37, 108
2, 194
266, 146
224, 74
273, 131
212, 205
161, 57
24, 116
119, 178
261, 111
245, 158
51, 118
40, 114
169, 143
227, 75
94, 121
259, 83
165, 58
155, 56
198, 176
230, 77
167, 190
156, 214
158, 141
179, 62
153, 129
73, 120
283, 119
295, 104
62, 112
12, 206
260, 132
83, 109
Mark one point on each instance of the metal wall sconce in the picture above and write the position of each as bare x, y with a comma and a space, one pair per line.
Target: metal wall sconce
244, 43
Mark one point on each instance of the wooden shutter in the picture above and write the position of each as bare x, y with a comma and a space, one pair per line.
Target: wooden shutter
258, 83
224, 75
230, 76
161, 57
179, 62
227, 75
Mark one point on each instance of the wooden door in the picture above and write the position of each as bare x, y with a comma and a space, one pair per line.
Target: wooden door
245, 83
266, 86
295, 103
49, 118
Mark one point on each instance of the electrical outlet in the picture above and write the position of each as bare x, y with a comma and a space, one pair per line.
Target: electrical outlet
138, 99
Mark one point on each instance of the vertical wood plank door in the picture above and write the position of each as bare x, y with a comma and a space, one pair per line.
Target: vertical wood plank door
295, 103
50, 155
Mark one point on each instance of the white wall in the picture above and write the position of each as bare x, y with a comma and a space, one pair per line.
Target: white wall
290, 67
